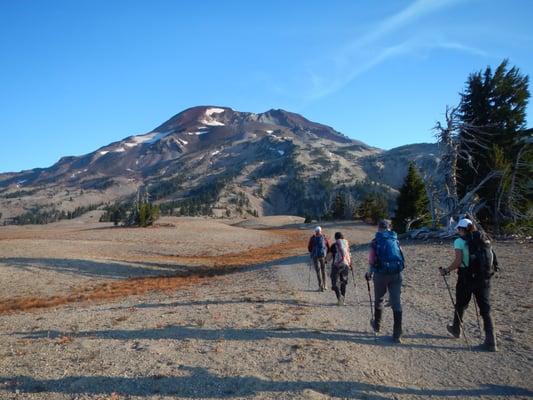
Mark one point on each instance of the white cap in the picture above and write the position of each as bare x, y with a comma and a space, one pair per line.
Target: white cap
463, 223
318, 229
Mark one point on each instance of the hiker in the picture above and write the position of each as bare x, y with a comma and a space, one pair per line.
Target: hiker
318, 247
385, 266
472, 279
341, 262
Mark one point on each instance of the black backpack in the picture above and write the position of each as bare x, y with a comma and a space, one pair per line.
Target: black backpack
483, 260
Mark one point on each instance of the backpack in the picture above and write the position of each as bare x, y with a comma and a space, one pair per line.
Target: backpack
319, 246
342, 253
483, 260
390, 258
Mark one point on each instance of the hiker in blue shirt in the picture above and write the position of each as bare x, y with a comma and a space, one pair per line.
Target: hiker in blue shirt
386, 263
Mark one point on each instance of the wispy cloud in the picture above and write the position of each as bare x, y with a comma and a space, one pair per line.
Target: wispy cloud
414, 11
376, 47
462, 47
323, 86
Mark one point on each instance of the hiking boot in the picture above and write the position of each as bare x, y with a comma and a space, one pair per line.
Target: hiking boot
455, 328
340, 300
397, 329
490, 338
376, 322
456, 332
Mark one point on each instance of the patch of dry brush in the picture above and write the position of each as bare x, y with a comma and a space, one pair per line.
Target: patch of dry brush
137, 286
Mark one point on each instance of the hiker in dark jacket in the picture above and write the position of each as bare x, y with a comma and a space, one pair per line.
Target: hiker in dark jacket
318, 247
341, 263
386, 263
470, 281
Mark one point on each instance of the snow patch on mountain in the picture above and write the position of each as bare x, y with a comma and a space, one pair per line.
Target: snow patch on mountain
149, 138
209, 119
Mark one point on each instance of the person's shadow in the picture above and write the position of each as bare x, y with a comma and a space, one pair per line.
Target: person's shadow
198, 382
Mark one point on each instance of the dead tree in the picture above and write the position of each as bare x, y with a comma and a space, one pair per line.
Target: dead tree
458, 139
432, 193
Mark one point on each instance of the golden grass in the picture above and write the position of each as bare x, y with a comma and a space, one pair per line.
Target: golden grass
138, 286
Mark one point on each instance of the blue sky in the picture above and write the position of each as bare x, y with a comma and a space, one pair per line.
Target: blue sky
77, 75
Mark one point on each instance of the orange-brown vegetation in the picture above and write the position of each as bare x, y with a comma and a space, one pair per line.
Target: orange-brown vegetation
295, 241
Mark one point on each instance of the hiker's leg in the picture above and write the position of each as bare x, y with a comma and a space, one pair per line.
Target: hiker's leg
463, 294
395, 291
394, 287
317, 270
344, 279
323, 272
334, 281
380, 288
482, 295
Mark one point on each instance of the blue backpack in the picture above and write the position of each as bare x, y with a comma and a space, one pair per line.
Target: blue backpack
319, 248
389, 255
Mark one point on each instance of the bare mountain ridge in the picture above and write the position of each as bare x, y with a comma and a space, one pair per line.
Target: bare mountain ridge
237, 162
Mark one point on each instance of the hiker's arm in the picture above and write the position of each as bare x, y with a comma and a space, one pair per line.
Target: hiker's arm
371, 256
371, 262
457, 261
310, 245
401, 252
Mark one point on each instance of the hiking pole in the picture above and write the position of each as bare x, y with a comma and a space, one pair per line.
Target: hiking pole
354, 287
455, 309
477, 316
371, 311
309, 276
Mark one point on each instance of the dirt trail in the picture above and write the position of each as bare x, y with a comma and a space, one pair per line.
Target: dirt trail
261, 333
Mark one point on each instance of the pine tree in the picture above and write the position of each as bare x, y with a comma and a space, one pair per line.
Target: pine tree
338, 207
374, 207
494, 103
412, 203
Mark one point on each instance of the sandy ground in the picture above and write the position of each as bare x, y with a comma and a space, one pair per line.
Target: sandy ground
259, 331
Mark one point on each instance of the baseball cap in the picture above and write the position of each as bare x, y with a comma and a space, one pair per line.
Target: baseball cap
463, 223
318, 229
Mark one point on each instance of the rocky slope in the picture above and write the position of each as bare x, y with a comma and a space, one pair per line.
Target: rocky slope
215, 160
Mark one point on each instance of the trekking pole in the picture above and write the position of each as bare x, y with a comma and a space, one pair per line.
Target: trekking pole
477, 316
458, 317
371, 310
355, 287
309, 276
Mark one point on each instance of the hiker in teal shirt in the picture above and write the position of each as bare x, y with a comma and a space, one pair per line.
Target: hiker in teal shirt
460, 244
469, 282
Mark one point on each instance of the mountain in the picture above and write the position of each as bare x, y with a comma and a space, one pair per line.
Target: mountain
214, 160
389, 167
